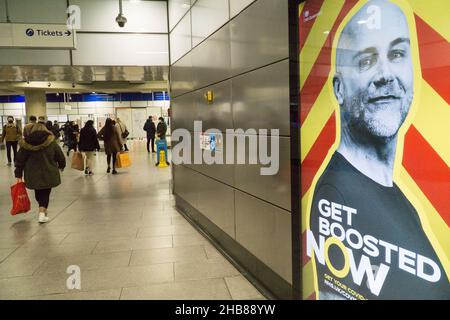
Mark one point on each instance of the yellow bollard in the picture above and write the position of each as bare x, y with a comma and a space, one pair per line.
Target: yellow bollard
162, 160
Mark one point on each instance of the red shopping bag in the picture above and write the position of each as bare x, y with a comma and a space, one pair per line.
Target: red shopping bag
21, 202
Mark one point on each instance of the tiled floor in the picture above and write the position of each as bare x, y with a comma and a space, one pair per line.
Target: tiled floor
124, 234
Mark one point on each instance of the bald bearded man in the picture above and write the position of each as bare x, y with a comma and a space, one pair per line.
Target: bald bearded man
372, 242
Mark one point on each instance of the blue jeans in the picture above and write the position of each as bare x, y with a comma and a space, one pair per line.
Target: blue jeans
161, 144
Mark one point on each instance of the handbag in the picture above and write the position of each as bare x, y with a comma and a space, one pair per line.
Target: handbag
78, 161
125, 134
20, 200
123, 160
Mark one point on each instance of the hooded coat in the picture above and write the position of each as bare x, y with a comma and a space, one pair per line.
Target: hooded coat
88, 139
39, 159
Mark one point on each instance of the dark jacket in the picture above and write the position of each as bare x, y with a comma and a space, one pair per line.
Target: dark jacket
150, 128
40, 157
161, 130
55, 130
114, 143
88, 139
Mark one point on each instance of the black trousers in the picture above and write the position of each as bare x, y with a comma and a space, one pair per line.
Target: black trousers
42, 197
9, 145
114, 159
152, 141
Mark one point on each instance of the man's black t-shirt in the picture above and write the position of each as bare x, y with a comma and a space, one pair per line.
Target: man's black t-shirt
385, 237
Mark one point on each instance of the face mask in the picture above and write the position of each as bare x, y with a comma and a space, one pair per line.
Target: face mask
10, 121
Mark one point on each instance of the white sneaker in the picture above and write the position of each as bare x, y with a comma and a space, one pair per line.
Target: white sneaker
43, 218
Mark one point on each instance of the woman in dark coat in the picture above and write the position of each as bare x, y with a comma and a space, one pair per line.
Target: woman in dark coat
71, 133
88, 145
39, 160
113, 143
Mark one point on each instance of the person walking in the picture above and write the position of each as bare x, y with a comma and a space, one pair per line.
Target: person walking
161, 131
88, 145
55, 130
72, 141
11, 135
29, 126
39, 161
49, 126
150, 128
123, 132
113, 143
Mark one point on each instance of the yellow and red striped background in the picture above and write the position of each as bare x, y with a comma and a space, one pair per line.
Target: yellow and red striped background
422, 165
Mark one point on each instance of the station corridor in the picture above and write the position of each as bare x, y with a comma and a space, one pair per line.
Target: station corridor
122, 231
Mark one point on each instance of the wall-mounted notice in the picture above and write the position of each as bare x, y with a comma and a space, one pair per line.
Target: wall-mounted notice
37, 36
375, 153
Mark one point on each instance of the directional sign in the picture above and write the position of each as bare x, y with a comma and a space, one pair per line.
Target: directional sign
37, 36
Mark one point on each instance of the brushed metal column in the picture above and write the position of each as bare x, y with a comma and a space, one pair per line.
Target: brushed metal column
35, 103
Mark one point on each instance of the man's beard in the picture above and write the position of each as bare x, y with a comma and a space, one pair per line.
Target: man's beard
376, 122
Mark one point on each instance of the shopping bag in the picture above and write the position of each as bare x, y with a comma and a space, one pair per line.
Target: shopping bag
20, 200
123, 160
78, 161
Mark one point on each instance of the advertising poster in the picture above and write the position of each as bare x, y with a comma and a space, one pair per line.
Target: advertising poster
375, 149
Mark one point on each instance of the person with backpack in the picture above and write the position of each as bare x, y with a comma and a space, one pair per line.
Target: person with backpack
39, 161
124, 133
11, 135
88, 145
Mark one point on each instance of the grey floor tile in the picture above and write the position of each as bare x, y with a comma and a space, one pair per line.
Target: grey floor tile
127, 277
210, 289
19, 267
103, 224
166, 230
134, 244
188, 240
241, 289
72, 249
182, 254
203, 270
14, 288
86, 262
4, 253
111, 294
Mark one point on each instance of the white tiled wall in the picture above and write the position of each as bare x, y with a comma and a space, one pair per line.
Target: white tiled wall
121, 49
142, 16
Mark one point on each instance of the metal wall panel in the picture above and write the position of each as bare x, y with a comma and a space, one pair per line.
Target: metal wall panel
182, 76
216, 202
177, 8
261, 98
223, 173
32, 11
24, 57
207, 17
237, 6
185, 184
259, 35
184, 112
217, 114
211, 59
2, 11
181, 39
275, 189
265, 231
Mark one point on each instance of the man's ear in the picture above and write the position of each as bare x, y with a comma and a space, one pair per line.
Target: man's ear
338, 88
